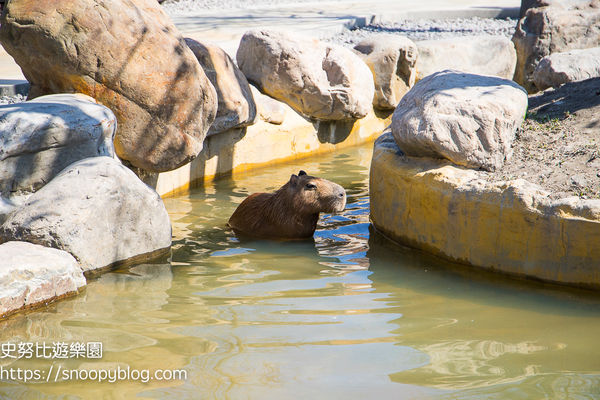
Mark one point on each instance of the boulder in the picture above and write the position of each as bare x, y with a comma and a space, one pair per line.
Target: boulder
41, 137
392, 61
485, 55
319, 80
269, 109
236, 105
129, 56
468, 119
571, 66
31, 274
97, 210
527, 4
553, 29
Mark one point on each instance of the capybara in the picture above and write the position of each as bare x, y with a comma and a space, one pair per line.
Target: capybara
291, 212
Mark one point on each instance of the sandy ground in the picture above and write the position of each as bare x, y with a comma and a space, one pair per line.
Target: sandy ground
558, 146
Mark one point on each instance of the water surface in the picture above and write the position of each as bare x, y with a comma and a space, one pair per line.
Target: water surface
348, 315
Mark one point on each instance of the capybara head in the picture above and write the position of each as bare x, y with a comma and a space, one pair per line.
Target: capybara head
312, 195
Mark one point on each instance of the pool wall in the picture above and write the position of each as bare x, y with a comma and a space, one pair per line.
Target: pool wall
263, 143
510, 226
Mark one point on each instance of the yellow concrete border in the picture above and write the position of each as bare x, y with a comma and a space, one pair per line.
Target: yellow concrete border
240, 150
509, 226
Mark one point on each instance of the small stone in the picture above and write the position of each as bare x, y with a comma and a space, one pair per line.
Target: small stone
31, 274
579, 180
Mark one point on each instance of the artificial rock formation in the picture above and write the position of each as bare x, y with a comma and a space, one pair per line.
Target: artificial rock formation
321, 81
129, 56
41, 137
31, 274
485, 55
236, 105
468, 119
553, 29
97, 210
504, 226
571, 66
392, 61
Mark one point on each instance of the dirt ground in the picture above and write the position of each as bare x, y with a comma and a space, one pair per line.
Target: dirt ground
558, 145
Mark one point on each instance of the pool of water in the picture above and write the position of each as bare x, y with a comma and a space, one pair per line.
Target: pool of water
346, 315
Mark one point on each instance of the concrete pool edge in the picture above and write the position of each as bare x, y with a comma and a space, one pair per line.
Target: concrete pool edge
507, 226
262, 144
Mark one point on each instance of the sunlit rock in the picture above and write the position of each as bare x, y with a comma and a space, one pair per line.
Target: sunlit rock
41, 137
559, 27
321, 81
571, 66
129, 56
485, 55
468, 119
31, 274
392, 61
97, 210
236, 105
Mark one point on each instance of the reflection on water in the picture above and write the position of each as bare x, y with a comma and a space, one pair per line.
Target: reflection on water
346, 315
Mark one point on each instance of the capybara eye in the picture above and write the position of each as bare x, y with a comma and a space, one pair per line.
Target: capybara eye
310, 186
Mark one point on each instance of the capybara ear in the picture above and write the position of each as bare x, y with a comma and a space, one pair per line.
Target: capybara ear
294, 180
301, 173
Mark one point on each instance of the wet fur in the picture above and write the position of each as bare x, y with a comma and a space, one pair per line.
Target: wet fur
291, 212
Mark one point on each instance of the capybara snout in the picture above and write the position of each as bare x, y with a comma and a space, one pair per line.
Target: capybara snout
290, 212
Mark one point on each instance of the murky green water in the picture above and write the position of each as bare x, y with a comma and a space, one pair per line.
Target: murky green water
346, 316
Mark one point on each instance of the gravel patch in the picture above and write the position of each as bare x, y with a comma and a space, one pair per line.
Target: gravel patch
429, 29
4, 100
558, 146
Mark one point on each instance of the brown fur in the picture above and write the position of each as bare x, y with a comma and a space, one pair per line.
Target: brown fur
291, 212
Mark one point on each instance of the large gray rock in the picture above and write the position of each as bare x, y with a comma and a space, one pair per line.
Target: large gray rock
571, 66
97, 210
469, 119
129, 56
321, 81
236, 105
39, 138
484, 55
31, 274
553, 29
392, 61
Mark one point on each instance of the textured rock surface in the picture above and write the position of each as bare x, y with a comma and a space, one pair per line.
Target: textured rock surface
97, 210
321, 81
571, 66
553, 29
508, 226
130, 57
39, 138
269, 109
236, 105
392, 61
486, 55
31, 274
469, 119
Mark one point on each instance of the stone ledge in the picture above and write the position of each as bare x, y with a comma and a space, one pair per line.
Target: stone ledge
261, 144
509, 227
